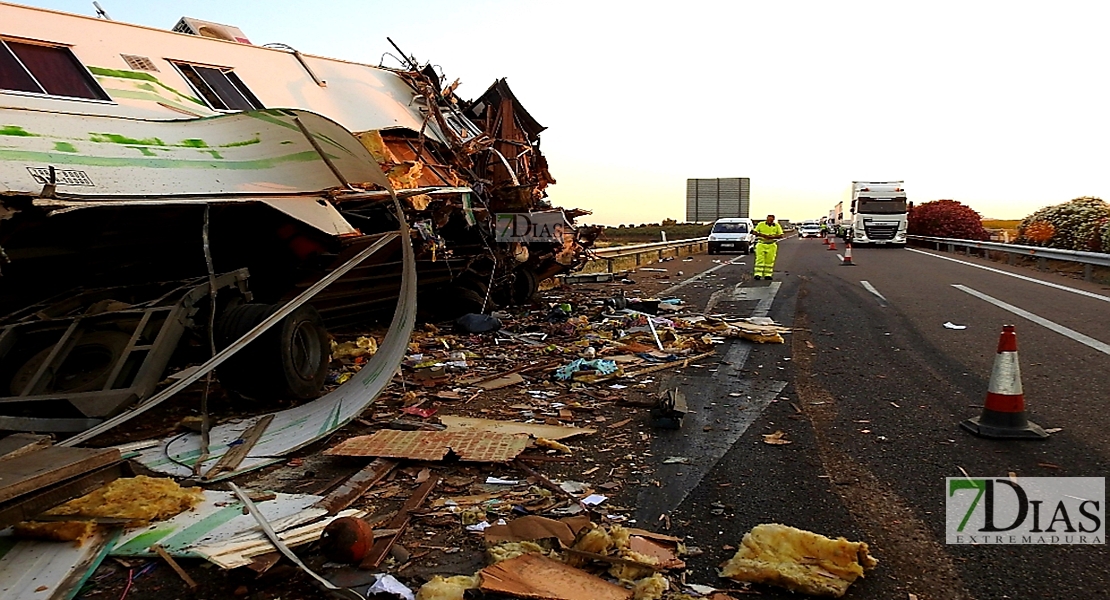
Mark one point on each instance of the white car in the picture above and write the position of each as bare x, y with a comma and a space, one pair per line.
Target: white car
731, 235
809, 229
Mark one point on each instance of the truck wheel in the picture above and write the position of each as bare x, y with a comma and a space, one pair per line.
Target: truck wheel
524, 286
289, 360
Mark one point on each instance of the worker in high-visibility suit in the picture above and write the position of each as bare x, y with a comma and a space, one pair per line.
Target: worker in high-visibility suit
767, 233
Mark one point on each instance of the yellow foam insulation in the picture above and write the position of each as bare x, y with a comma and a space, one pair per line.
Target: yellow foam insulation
650, 588
595, 540
628, 573
419, 201
798, 560
509, 550
375, 145
552, 445
450, 588
405, 175
142, 499
60, 531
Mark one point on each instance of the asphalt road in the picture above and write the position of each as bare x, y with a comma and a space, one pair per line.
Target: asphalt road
870, 391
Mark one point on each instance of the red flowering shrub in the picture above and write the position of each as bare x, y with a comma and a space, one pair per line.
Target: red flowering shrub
947, 218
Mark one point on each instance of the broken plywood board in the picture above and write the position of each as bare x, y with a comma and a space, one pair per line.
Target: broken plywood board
551, 432
34, 570
217, 520
298, 427
501, 382
356, 485
19, 444
48, 466
539, 577
469, 445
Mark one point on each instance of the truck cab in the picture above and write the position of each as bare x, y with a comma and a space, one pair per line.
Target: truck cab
878, 213
732, 234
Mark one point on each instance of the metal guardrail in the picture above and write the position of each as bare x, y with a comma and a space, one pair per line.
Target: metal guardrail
619, 251
1087, 259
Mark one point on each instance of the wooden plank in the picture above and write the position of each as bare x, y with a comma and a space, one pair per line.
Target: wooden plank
31, 505
176, 567
399, 523
37, 470
356, 485
234, 457
19, 444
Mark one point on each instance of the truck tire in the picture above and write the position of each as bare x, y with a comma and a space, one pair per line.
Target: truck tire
289, 360
524, 286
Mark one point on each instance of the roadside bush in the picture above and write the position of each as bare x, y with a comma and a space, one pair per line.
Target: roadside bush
946, 218
1082, 224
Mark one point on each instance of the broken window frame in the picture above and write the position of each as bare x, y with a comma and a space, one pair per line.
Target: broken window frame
212, 96
80, 71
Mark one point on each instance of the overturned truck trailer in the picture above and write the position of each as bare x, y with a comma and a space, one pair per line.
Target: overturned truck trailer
145, 222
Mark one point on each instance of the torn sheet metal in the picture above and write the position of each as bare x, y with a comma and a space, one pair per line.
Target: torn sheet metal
254, 152
551, 432
298, 427
470, 446
34, 570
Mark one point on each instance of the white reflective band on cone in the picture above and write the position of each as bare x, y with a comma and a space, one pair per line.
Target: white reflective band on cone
1006, 375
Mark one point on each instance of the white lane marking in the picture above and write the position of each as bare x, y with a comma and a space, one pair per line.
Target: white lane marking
841, 257
867, 286
675, 288
764, 307
1064, 331
1000, 271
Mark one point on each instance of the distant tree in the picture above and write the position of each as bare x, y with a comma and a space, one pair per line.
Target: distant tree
1080, 224
946, 218
622, 226
669, 222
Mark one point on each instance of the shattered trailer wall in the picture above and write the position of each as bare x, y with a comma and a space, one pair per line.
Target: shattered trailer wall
131, 155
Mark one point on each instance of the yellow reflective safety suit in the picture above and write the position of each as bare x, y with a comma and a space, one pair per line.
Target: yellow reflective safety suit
765, 251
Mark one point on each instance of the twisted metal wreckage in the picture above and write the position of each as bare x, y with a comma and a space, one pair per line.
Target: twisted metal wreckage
130, 255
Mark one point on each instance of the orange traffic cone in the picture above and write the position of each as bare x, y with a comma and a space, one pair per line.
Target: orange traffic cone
832, 245
1004, 412
826, 240
847, 262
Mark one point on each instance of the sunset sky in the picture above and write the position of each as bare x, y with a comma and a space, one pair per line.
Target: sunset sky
1000, 105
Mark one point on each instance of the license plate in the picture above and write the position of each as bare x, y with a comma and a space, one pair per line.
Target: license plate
726, 245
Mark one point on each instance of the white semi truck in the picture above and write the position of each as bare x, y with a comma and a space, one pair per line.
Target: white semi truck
877, 214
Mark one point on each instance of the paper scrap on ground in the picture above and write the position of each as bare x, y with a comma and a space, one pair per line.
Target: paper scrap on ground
951, 325
798, 560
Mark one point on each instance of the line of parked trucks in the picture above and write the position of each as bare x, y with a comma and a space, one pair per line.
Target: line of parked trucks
877, 214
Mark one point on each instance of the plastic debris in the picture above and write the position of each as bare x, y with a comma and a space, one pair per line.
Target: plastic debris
951, 325
475, 323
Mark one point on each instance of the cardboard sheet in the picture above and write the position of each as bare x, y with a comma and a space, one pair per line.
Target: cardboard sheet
532, 528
